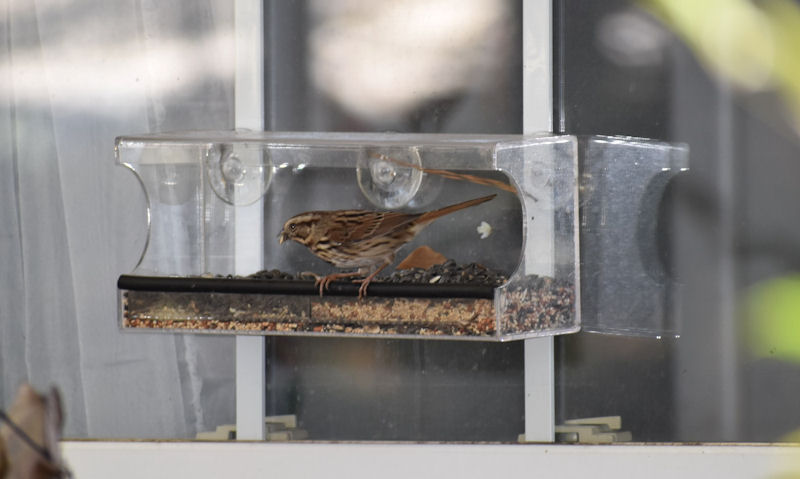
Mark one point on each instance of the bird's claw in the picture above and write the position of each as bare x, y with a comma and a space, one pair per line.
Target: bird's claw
319, 281
324, 282
362, 290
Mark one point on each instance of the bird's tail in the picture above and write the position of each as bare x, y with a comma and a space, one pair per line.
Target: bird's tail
432, 215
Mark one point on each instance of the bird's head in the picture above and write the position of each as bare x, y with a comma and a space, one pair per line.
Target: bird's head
297, 228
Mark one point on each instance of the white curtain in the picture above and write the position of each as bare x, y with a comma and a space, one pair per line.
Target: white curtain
73, 76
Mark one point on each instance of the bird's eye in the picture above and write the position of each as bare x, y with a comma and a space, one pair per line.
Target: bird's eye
292, 226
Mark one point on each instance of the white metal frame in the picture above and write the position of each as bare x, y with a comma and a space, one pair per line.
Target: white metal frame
537, 116
154, 460
249, 237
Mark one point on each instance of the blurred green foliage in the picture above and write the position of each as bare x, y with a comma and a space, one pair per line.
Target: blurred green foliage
772, 321
754, 46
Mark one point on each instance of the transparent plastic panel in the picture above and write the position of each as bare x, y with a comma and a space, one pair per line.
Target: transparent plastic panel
500, 265
542, 293
626, 272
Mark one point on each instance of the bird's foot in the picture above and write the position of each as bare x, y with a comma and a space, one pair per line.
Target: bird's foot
323, 282
362, 290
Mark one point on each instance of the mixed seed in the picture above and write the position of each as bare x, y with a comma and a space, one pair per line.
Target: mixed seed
450, 273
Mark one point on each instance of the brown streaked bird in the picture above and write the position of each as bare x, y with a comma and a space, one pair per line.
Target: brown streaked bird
363, 239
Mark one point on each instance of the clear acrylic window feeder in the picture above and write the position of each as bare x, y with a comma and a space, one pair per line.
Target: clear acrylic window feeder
219, 203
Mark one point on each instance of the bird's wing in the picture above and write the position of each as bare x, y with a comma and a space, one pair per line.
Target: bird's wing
358, 226
391, 221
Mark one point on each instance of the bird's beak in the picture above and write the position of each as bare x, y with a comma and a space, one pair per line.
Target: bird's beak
281, 237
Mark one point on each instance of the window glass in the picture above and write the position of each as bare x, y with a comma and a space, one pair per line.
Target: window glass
76, 76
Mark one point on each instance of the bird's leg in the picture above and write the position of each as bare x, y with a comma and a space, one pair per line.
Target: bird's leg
362, 290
